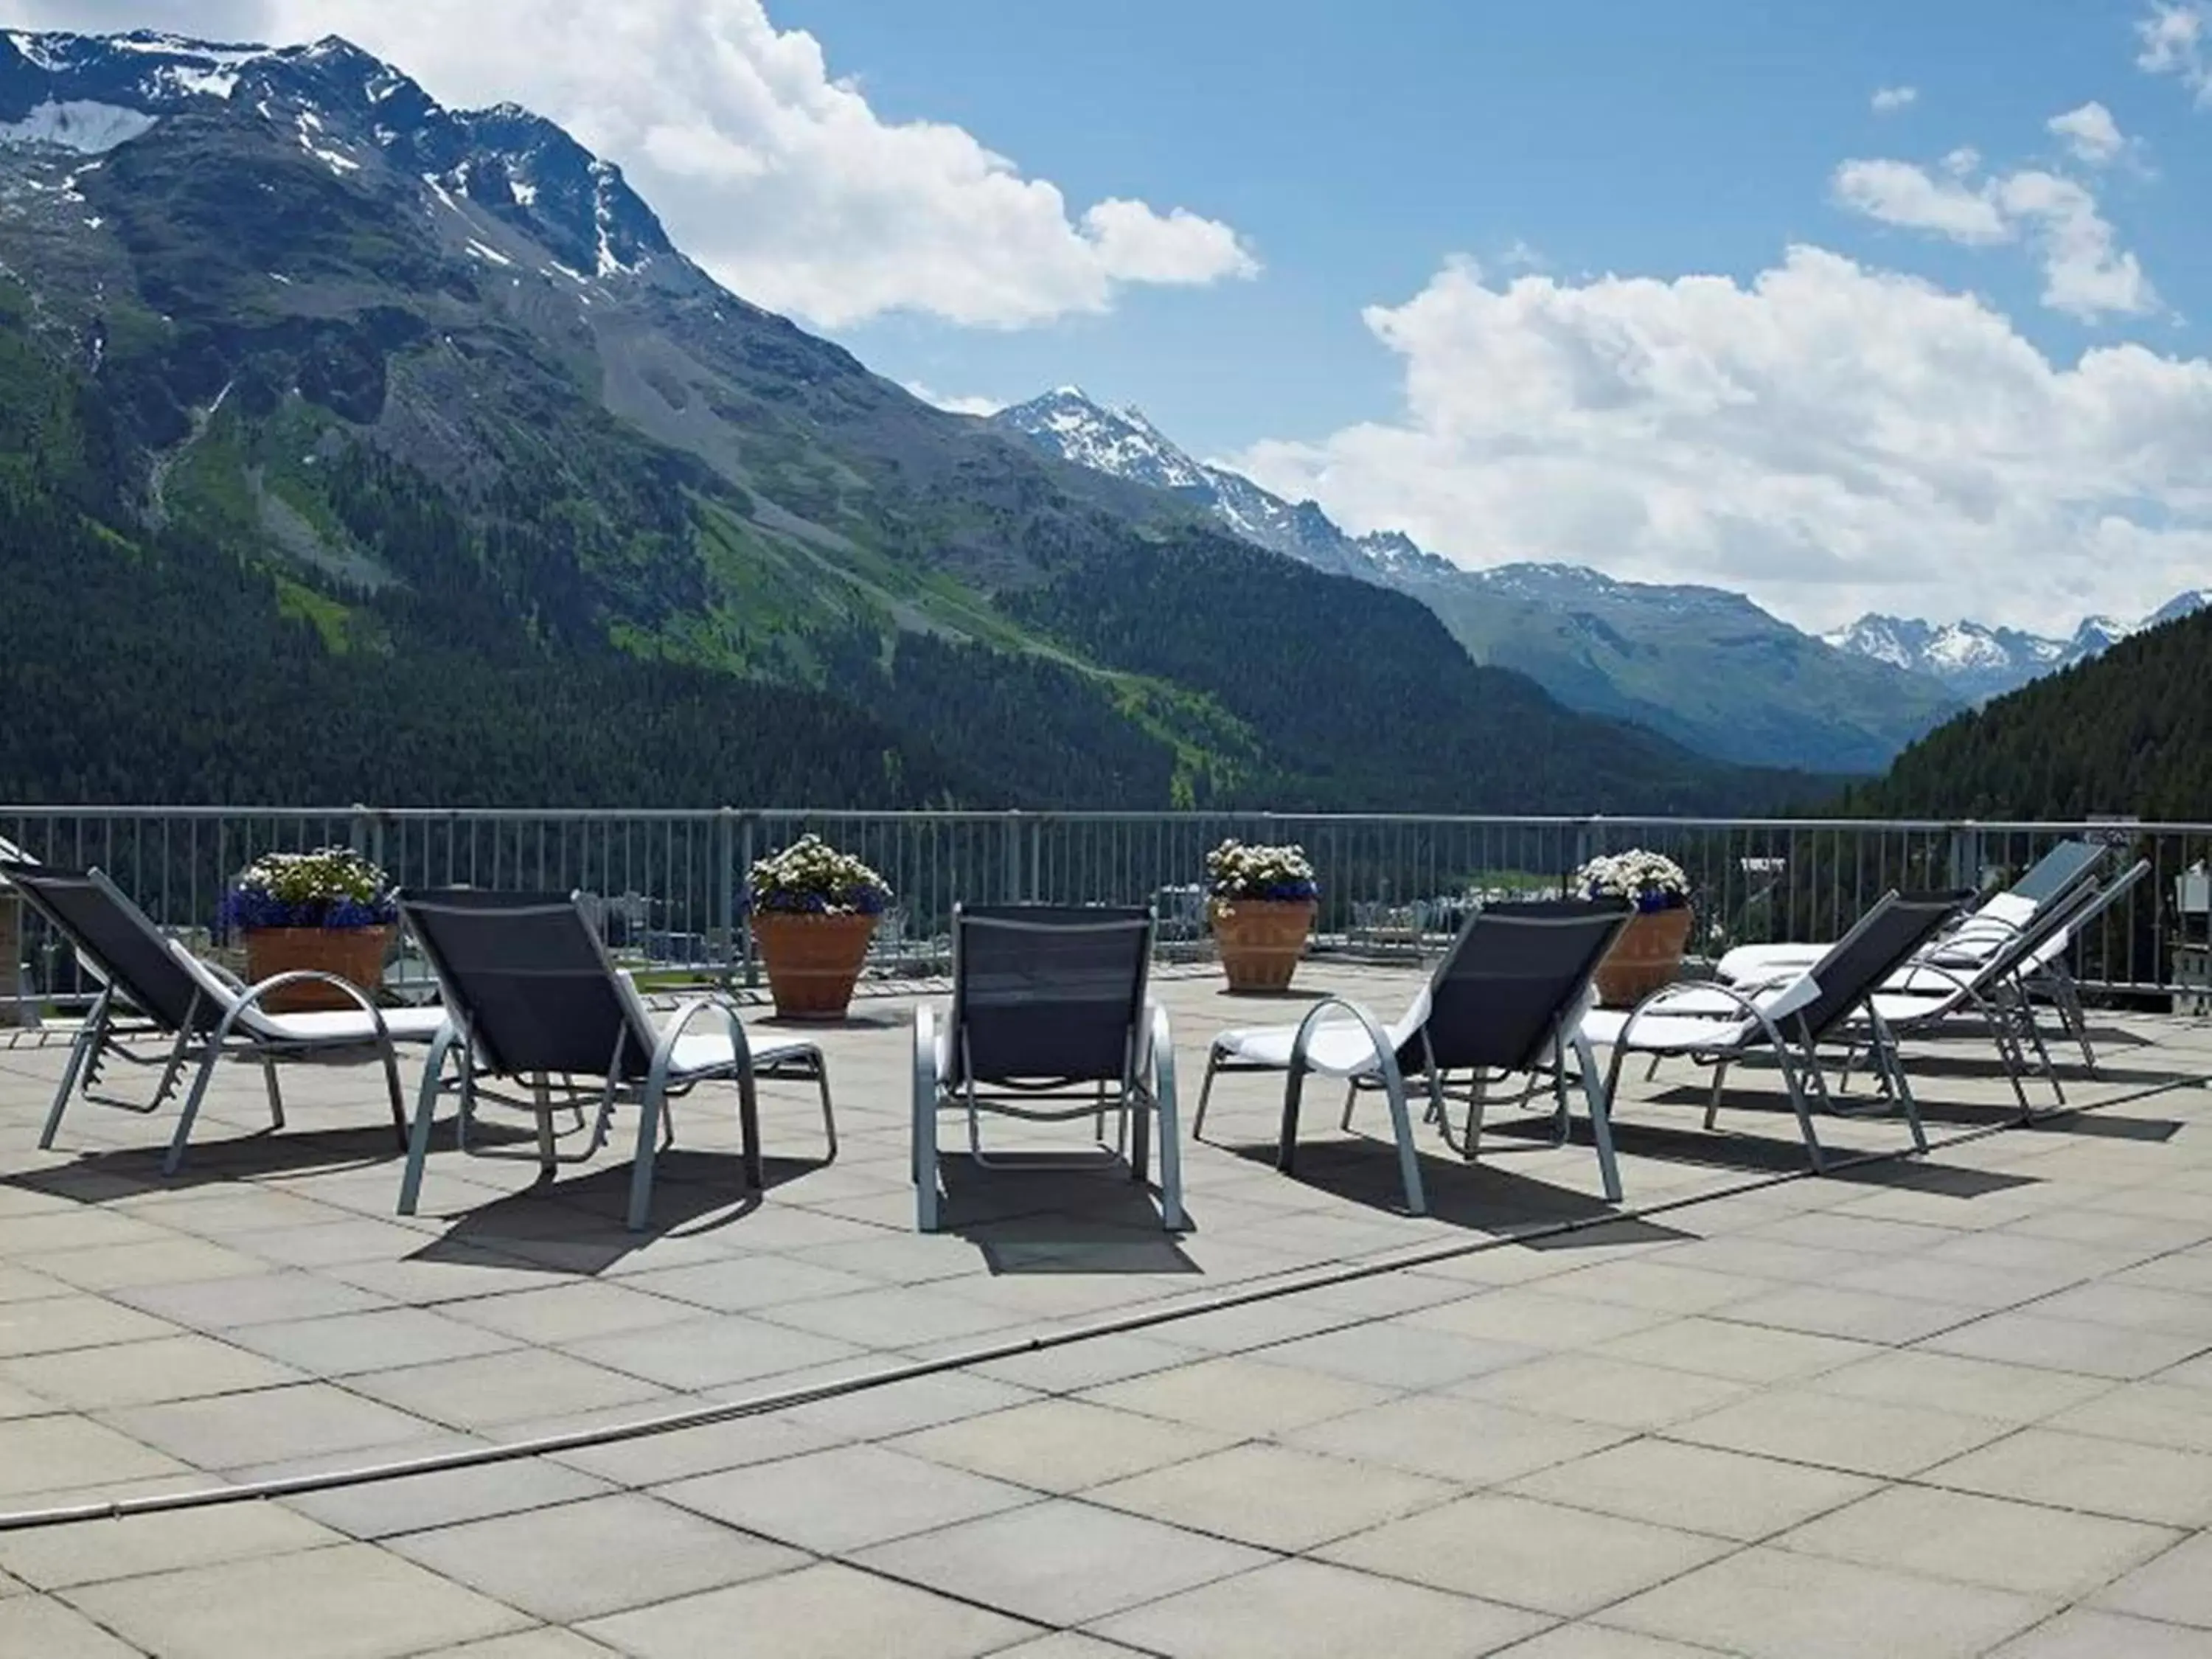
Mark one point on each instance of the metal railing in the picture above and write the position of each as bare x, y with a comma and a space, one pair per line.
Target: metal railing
668, 886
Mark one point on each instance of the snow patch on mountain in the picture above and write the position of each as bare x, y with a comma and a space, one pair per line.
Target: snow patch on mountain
88, 128
1981, 662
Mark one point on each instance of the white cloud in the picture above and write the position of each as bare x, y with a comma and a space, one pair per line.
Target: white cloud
780, 177
2090, 132
1830, 438
2085, 273
953, 401
1887, 99
1900, 193
2176, 39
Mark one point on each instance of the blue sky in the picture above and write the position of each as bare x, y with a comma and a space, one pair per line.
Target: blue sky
1355, 147
1649, 285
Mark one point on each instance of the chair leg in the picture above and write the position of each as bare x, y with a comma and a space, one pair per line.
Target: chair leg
924, 1158
174, 1159
1205, 1093
1471, 1131
649, 1108
171, 1072
1351, 1096
1713, 1101
1409, 1155
83, 1052
1600, 1098
748, 1130
1141, 1143
1164, 1101
391, 1059
276, 1091
1813, 1150
829, 1116
549, 1161
426, 1107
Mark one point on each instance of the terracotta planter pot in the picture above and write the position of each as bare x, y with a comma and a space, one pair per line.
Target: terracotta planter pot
813, 961
1261, 940
356, 954
1647, 955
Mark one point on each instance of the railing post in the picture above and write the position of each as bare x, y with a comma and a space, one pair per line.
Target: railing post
747, 830
1013, 874
1966, 855
12, 1010
724, 937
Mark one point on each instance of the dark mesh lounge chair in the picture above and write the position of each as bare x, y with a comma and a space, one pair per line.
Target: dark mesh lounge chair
1998, 992
1048, 1022
204, 1013
532, 996
1506, 1000
1970, 939
1719, 1023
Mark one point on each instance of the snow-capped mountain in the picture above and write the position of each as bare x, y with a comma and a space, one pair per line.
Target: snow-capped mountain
1979, 662
1066, 422
86, 94
1703, 665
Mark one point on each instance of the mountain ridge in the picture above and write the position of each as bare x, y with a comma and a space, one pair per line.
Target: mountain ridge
414, 388
1706, 666
1980, 662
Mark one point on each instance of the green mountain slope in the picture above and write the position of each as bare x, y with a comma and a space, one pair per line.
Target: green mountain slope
326, 472
2129, 733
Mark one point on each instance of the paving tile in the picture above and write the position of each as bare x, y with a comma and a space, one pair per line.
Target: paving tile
2068, 1344
2084, 1472
1774, 1604
1740, 1353
822, 1612
1660, 1286
2176, 1587
345, 1345
183, 1367
574, 1312
1858, 1316
1273, 1496
1468, 1441
1591, 1388
220, 1304
169, 1260
1525, 1553
88, 1552
545, 1642
232, 1431
650, 1460
1972, 1387
503, 1388
1865, 1435
1240, 1395
1586, 1641
2085, 1633
1075, 1366
1065, 1645
918, 1402
759, 1281
1394, 1354
48, 1453
1533, 1318
1060, 1445
1695, 1488
1061, 1563
37, 1627
1310, 1610
416, 1503
720, 1348
845, 1497
1981, 1540
602, 1555
351, 1602
50, 1324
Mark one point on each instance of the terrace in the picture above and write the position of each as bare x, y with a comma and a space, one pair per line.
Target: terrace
1950, 1405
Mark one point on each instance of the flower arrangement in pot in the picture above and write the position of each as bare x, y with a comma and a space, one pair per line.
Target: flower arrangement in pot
331, 911
1262, 903
1648, 952
813, 909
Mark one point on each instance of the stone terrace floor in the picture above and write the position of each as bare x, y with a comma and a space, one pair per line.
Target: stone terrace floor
1957, 1405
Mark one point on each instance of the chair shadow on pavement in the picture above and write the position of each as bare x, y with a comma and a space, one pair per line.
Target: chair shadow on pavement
1029, 1213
